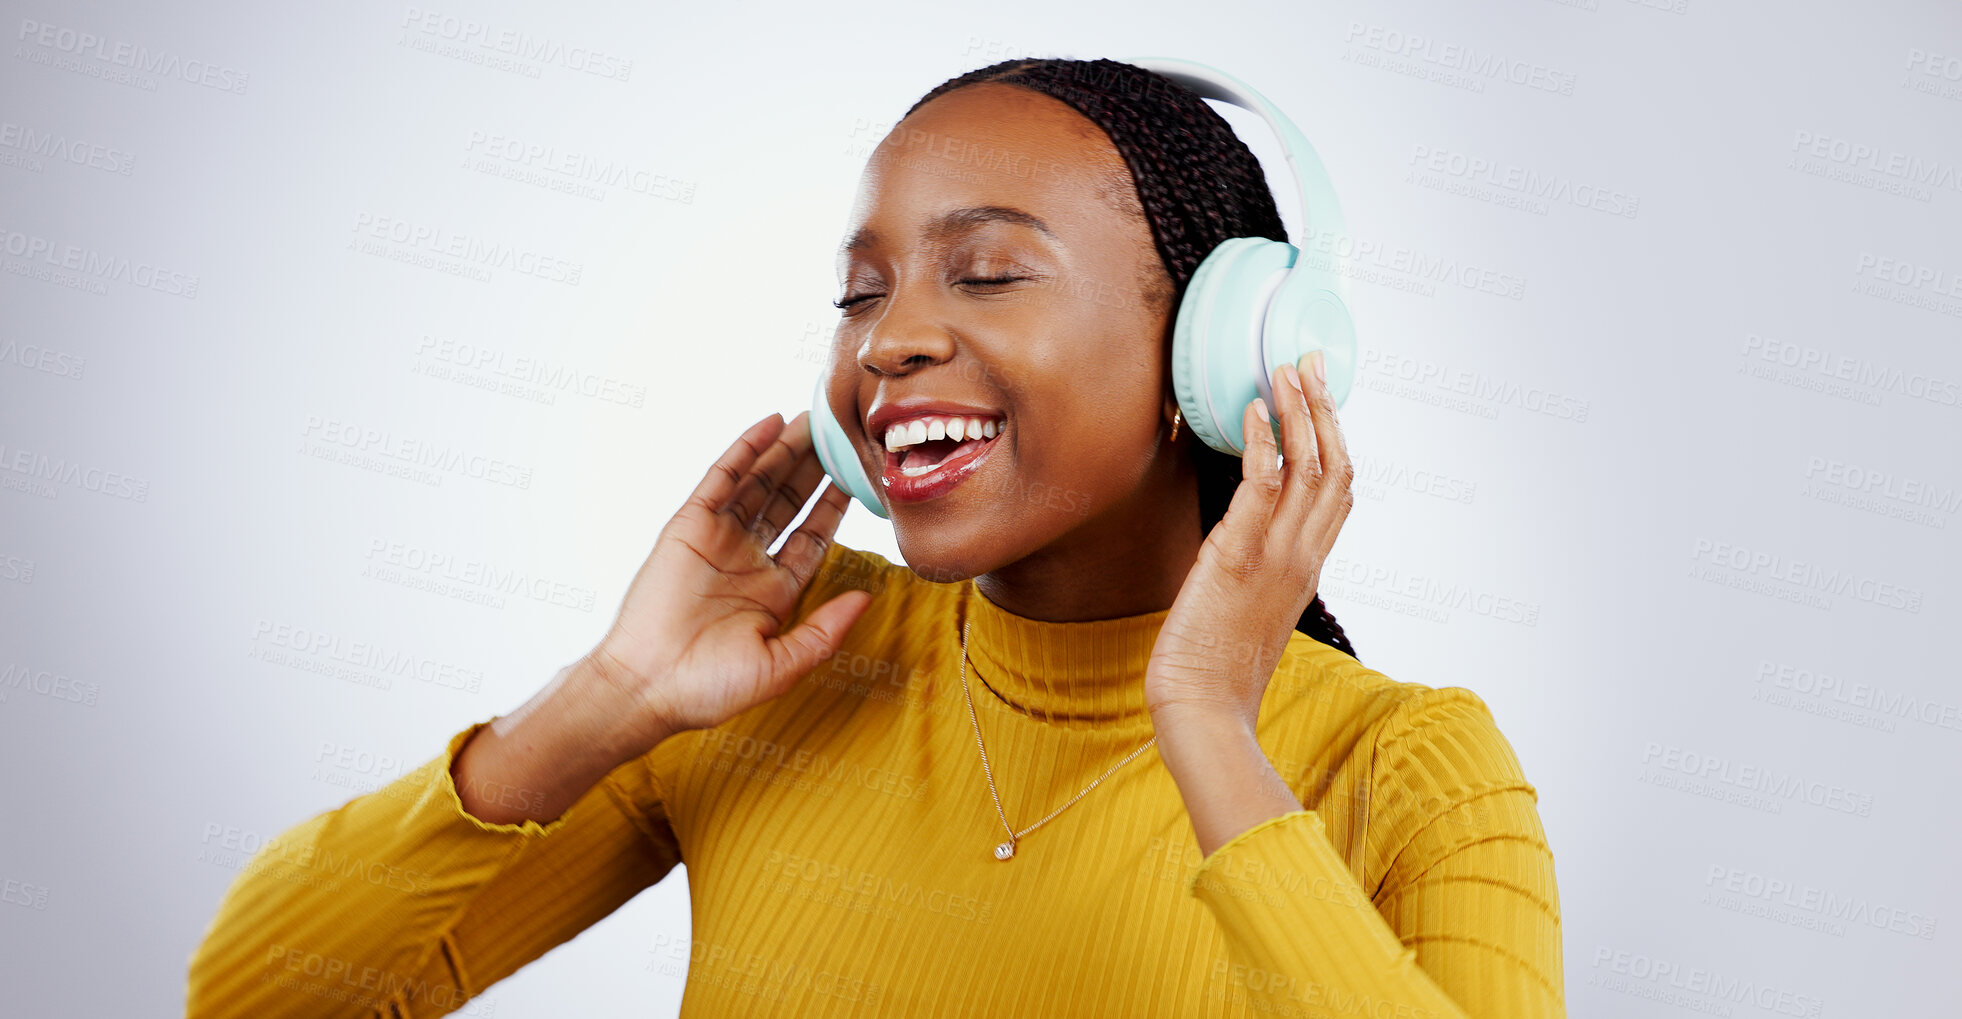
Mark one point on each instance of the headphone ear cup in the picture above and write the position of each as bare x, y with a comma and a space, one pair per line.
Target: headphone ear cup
836, 453
1305, 318
1218, 342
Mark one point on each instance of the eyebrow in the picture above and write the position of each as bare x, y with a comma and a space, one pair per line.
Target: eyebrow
954, 222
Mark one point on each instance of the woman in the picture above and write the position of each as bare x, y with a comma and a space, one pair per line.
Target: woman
1097, 749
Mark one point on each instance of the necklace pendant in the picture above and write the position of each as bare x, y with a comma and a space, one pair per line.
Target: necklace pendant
1005, 850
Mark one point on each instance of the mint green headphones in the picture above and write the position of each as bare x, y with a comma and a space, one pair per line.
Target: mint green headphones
1249, 308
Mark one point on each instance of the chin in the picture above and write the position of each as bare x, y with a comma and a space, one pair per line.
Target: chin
943, 553
951, 548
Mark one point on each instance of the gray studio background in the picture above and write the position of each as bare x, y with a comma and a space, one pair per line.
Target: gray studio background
1661, 312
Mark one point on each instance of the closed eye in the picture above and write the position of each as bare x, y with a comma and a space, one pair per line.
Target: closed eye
987, 282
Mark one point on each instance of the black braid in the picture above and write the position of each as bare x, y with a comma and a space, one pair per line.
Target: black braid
1199, 184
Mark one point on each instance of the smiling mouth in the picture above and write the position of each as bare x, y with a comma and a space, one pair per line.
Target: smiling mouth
920, 446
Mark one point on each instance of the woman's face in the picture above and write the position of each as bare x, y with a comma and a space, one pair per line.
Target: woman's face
1060, 355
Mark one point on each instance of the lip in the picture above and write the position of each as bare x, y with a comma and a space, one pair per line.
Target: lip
945, 476
884, 414
950, 472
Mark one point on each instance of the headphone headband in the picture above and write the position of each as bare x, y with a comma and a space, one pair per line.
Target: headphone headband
1319, 209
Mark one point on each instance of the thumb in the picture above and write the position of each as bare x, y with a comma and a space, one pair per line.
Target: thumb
816, 638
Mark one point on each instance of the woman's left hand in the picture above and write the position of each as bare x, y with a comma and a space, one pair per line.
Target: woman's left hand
1260, 566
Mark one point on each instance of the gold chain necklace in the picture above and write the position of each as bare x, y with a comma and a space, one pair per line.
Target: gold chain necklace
1006, 850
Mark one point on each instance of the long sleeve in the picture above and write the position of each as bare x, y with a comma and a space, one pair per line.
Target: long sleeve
400, 903
1466, 921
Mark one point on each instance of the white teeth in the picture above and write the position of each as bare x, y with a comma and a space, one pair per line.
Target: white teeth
923, 429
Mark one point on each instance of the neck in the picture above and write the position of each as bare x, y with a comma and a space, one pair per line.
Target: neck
1127, 561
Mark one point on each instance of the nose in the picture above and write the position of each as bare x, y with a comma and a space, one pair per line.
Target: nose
906, 337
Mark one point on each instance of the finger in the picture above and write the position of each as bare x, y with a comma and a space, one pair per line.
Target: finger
805, 548
1303, 469
786, 497
818, 637
769, 472
1242, 531
1338, 473
713, 491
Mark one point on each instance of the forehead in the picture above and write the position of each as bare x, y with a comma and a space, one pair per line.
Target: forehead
990, 145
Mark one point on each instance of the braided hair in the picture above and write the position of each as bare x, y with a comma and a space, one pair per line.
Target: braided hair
1199, 185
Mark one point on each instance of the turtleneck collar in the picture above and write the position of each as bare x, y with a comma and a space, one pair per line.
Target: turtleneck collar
1087, 673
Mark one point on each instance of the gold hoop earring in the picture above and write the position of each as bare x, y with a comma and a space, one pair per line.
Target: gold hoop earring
1176, 418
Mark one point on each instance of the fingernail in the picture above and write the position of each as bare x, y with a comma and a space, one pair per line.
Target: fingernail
1260, 408
1321, 368
1293, 377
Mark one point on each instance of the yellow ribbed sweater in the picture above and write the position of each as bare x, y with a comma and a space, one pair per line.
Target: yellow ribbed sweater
839, 848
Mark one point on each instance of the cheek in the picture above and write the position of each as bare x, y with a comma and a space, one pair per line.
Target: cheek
1094, 441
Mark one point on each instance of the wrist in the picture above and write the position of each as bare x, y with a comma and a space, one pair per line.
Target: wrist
538, 760
1202, 721
1221, 771
610, 707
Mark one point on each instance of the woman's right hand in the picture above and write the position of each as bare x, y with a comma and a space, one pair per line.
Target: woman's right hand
699, 637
